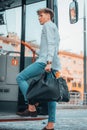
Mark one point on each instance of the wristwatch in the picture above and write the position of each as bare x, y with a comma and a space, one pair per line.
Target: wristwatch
49, 62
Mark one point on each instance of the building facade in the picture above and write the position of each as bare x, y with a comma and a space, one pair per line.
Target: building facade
72, 71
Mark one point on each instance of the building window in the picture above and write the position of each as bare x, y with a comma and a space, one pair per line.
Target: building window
79, 85
74, 84
68, 80
74, 62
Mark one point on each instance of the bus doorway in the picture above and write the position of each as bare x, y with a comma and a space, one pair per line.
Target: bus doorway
18, 22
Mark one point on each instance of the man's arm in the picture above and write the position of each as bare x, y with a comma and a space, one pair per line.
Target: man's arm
51, 46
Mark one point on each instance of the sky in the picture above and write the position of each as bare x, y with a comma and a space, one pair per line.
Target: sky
71, 35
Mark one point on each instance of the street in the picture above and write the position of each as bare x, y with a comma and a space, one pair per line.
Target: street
66, 119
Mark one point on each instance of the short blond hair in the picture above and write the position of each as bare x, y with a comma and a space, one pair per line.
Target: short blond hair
46, 10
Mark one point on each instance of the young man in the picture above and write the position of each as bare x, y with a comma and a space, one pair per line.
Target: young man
48, 59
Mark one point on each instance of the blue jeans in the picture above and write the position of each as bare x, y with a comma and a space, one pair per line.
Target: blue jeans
31, 71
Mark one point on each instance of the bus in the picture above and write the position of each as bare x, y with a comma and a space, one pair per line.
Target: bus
19, 22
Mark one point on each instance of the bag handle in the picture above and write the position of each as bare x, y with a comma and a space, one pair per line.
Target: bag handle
44, 75
52, 72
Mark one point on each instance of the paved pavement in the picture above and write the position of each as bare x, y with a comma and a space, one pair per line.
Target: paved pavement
66, 119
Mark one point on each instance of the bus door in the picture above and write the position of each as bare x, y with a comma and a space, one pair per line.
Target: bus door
9, 58
14, 56
32, 29
33, 35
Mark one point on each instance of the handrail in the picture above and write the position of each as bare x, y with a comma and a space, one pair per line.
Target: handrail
33, 51
8, 40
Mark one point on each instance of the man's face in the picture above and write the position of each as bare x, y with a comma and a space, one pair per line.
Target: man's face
43, 18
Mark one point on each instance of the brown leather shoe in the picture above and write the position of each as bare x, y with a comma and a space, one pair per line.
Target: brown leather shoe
47, 129
27, 113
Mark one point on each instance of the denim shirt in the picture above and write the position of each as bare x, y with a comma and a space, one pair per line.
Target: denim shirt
49, 45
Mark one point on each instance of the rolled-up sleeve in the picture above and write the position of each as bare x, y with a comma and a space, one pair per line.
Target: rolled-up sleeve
50, 34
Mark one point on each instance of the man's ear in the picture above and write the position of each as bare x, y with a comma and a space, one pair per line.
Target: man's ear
48, 15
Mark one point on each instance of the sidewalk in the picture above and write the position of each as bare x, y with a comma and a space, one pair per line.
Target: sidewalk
66, 119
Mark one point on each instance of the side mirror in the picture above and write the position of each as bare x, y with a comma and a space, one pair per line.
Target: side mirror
73, 12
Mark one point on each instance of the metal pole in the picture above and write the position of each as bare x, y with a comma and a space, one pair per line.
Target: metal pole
84, 26
20, 96
50, 4
56, 12
23, 34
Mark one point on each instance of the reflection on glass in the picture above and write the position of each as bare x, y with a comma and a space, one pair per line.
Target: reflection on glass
33, 27
11, 29
2, 22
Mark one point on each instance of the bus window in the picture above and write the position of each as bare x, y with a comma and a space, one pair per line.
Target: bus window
11, 29
33, 27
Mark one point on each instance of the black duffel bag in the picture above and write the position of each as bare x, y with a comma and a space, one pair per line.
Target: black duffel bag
48, 89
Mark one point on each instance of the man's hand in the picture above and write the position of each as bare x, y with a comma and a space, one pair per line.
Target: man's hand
48, 67
34, 50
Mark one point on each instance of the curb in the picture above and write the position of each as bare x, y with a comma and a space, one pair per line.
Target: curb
72, 107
